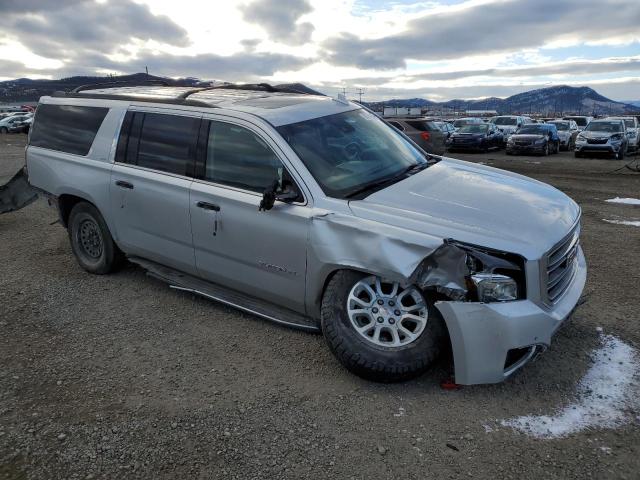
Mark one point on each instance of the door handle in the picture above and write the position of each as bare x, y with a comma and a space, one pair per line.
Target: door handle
123, 184
208, 206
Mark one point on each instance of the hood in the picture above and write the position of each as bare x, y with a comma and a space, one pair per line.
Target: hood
468, 135
475, 204
597, 134
527, 136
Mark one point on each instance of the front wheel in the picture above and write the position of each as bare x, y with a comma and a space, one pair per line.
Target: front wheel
91, 240
4, 130
379, 330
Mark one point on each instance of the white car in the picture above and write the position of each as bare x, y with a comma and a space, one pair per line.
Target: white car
581, 120
567, 133
508, 124
7, 123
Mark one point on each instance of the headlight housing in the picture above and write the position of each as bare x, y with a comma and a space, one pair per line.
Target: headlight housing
494, 287
540, 141
616, 137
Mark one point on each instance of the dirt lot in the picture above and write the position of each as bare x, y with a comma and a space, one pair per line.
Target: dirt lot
120, 377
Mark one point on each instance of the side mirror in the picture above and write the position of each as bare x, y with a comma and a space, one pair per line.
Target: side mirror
289, 194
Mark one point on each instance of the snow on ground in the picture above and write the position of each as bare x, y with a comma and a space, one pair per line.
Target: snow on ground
627, 201
606, 394
624, 222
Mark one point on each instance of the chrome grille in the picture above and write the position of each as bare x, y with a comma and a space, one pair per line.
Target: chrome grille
561, 265
597, 141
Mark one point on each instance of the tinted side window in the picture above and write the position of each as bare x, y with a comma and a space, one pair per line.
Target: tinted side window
161, 142
239, 158
396, 125
67, 128
422, 125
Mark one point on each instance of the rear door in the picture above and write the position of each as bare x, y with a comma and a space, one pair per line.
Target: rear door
259, 253
150, 182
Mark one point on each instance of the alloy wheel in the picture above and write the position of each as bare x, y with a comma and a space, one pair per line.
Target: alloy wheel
386, 314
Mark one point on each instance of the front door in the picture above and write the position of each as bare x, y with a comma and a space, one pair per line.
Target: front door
150, 186
258, 253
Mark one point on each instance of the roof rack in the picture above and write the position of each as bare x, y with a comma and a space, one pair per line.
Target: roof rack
123, 83
179, 99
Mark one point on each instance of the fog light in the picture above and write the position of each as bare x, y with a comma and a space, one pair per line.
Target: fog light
494, 287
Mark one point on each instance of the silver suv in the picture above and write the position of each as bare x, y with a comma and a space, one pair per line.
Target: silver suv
314, 213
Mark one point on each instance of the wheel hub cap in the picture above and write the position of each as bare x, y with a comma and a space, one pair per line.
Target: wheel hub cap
90, 239
386, 314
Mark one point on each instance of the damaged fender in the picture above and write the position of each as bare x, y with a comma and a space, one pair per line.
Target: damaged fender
16, 193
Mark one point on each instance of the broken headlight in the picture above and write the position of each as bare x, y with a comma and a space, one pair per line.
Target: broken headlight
494, 287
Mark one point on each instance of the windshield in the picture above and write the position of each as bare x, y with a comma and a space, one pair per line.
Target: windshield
609, 127
629, 123
580, 121
347, 151
533, 129
478, 128
505, 121
461, 123
560, 125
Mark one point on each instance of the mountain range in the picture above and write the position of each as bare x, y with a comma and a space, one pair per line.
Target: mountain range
546, 101
551, 100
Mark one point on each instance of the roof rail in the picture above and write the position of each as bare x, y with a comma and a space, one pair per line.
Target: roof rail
123, 83
133, 98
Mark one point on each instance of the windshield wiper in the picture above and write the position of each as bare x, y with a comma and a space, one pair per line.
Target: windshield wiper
378, 184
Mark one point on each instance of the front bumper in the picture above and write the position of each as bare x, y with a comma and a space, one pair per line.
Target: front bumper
598, 147
483, 334
525, 148
465, 146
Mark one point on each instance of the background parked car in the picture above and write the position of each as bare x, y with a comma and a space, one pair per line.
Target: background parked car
603, 136
423, 131
508, 124
9, 122
461, 122
22, 126
540, 138
581, 121
479, 136
633, 131
446, 127
567, 133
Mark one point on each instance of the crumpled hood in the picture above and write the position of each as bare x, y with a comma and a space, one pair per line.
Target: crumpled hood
475, 204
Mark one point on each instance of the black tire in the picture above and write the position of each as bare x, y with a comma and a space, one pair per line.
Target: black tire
4, 130
577, 155
91, 241
619, 155
365, 359
546, 151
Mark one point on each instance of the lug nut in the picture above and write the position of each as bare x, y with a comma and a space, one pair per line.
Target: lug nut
397, 313
374, 310
380, 302
392, 321
391, 303
380, 319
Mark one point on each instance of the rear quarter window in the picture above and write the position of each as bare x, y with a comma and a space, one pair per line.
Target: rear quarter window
422, 125
66, 128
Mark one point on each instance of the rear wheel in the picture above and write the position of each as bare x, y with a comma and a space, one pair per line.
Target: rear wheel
545, 152
4, 130
378, 329
91, 240
620, 154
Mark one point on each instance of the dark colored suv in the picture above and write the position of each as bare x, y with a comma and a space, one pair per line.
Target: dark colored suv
424, 132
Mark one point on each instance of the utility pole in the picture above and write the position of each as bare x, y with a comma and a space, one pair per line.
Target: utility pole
146, 69
360, 92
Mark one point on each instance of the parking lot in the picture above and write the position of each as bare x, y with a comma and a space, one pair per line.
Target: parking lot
121, 377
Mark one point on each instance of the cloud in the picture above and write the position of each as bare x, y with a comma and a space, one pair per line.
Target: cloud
280, 19
488, 28
243, 66
69, 28
574, 68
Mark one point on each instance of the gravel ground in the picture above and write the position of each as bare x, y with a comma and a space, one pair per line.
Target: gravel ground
120, 377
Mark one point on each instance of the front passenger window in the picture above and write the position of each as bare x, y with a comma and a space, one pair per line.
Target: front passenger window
239, 158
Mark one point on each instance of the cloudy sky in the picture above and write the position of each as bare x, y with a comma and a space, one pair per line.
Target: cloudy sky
438, 49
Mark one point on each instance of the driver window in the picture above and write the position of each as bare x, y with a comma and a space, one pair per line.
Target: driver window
239, 158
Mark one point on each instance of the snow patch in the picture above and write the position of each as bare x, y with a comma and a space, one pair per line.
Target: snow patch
631, 223
606, 394
627, 201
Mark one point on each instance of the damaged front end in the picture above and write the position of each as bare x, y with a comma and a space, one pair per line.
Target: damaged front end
16, 193
464, 272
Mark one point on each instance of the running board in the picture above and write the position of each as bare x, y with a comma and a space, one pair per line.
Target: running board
188, 283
